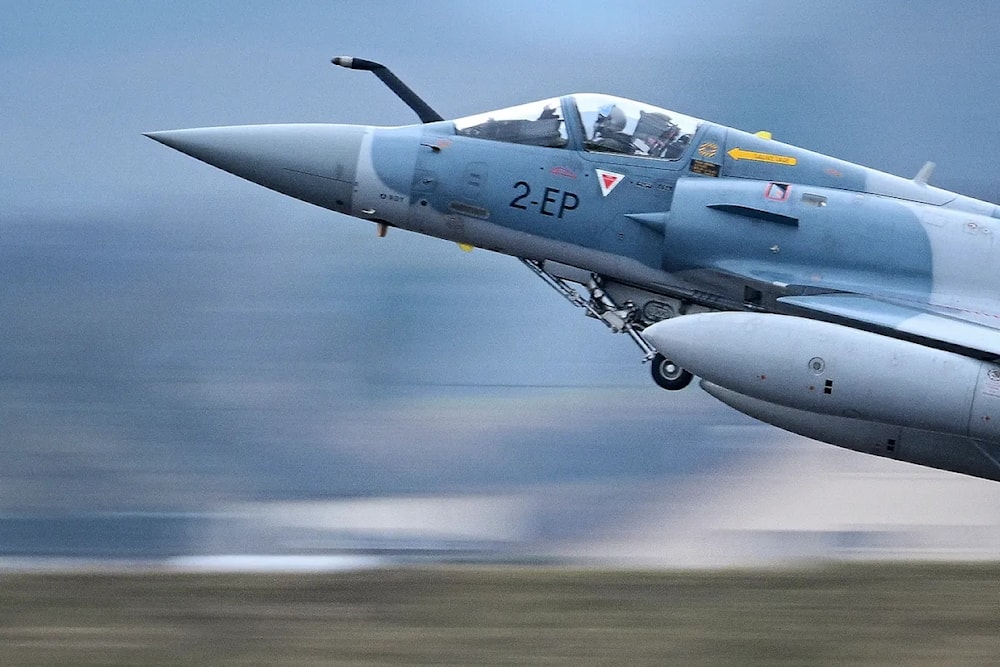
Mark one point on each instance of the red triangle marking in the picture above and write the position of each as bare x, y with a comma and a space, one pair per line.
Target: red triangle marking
608, 180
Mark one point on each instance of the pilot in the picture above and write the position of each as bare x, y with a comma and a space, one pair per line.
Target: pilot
608, 130
548, 113
677, 147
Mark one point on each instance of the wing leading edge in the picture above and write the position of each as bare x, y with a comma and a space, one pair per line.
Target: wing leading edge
918, 323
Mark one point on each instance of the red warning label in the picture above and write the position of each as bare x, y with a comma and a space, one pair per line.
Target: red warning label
608, 180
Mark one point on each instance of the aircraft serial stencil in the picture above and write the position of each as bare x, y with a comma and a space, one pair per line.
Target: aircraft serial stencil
826, 298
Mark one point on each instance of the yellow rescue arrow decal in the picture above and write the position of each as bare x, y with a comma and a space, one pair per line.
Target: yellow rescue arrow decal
740, 154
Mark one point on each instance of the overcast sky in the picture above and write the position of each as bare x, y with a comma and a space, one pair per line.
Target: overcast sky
172, 336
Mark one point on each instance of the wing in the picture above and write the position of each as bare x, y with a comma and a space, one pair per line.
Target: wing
929, 325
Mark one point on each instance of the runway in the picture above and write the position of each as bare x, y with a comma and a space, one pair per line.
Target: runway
860, 614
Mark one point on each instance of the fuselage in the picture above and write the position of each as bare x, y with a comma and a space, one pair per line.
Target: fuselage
726, 214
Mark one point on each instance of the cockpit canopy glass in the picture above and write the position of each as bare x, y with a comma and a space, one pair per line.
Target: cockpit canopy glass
617, 125
533, 124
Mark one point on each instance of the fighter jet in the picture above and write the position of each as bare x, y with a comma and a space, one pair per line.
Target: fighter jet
829, 299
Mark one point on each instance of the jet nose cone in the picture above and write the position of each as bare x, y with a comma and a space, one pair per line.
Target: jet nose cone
315, 163
174, 139
197, 143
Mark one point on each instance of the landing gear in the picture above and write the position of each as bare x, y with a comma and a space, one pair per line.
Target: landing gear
668, 374
598, 304
620, 318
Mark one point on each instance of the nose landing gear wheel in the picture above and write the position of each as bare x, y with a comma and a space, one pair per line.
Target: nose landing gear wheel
668, 374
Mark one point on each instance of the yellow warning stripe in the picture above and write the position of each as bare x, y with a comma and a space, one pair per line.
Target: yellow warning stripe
756, 156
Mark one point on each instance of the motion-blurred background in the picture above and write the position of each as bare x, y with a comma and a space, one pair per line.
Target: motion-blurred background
192, 366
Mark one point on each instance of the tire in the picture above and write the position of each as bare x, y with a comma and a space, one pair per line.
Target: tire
669, 375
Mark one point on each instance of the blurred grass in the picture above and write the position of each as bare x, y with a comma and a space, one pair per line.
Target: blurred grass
858, 614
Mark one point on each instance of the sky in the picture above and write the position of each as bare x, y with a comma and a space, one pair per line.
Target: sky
174, 338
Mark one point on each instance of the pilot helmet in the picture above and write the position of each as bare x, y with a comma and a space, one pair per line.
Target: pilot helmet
609, 119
